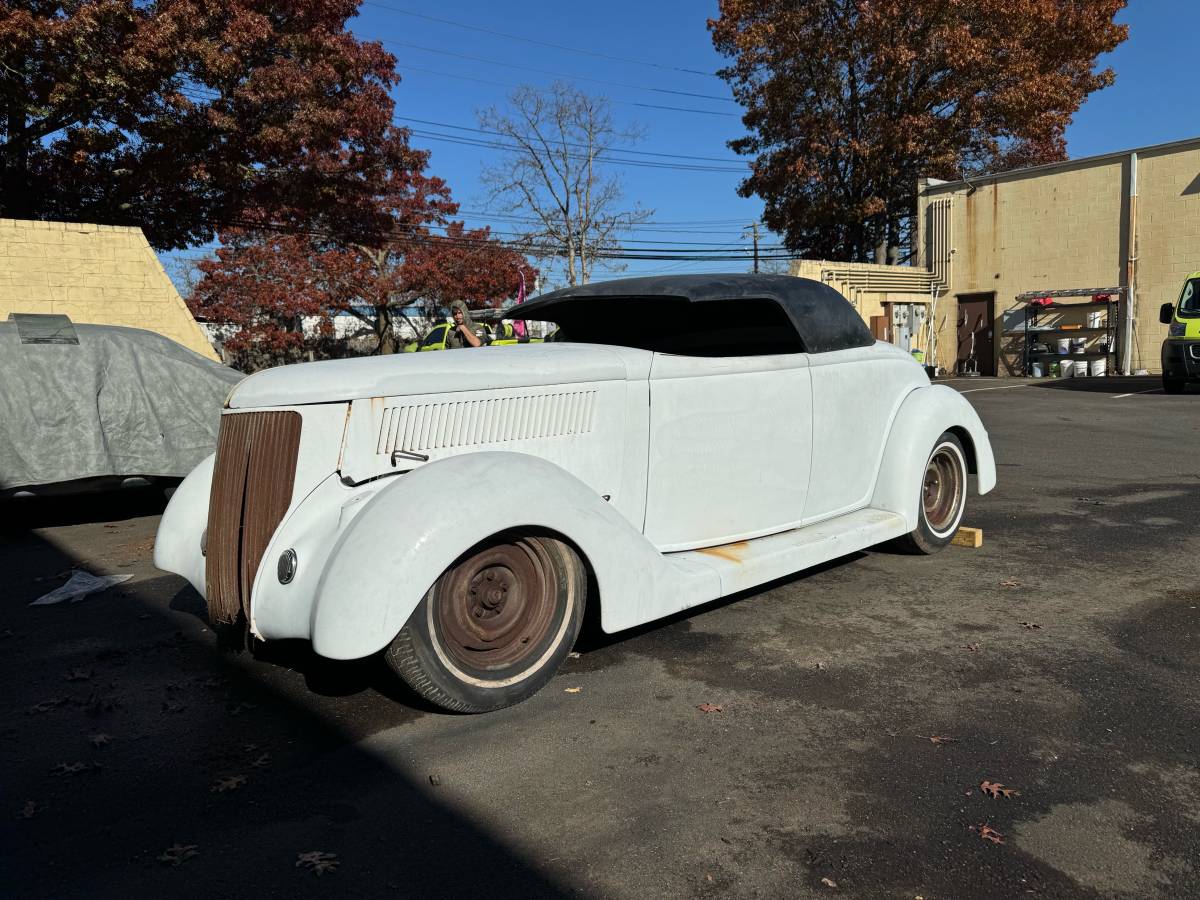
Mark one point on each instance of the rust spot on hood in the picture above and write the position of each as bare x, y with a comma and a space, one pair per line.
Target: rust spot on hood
731, 552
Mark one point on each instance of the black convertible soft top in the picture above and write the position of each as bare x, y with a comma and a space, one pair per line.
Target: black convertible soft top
821, 316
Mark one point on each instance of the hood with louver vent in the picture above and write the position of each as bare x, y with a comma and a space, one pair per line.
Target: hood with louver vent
411, 374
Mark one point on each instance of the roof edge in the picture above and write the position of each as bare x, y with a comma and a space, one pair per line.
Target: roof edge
936, 186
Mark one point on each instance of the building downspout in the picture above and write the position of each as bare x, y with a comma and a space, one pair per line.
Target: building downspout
1130, 270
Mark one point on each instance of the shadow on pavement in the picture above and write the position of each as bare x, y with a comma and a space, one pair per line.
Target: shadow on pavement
1103, 385
126, 732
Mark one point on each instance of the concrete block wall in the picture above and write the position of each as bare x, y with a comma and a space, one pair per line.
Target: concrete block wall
98, 274
1065, 226
1168, 242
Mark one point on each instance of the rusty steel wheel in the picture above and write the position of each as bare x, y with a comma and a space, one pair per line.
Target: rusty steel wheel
943, 497
496, 624
496, 607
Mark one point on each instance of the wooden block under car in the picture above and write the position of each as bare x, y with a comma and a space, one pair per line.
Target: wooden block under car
968, 537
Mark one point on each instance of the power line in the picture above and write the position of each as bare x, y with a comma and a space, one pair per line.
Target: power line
646, 164
511, 65
529, 40
509, 84
722, 159
545, 250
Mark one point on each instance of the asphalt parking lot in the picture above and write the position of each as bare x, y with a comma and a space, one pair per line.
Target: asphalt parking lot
862, 706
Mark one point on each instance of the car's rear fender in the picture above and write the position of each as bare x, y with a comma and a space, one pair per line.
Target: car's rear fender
410, 531
924, 415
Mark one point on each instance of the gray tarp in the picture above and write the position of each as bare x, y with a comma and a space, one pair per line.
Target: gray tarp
121, 402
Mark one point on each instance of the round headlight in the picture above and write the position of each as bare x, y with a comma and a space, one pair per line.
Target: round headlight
286, 569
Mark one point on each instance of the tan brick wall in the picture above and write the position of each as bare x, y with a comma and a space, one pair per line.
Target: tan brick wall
1011, 235
98, 274
1168, 242
1062, 227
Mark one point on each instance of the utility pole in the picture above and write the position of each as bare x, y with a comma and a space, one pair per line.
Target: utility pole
754, 232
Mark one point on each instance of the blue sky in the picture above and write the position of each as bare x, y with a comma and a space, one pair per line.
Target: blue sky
1154, 99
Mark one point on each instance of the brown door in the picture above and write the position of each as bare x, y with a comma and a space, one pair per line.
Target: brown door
976, 347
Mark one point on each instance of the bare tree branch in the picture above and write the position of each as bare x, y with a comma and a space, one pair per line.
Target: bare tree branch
555, 172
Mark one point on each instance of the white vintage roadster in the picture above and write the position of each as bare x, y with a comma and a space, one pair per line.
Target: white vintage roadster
684, 439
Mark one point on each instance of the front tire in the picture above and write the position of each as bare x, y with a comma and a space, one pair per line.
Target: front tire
943, 497
495, 626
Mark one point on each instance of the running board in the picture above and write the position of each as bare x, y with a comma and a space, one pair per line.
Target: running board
691, 577
747, 564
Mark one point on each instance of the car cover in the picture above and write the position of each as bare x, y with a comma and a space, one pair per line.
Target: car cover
94, 401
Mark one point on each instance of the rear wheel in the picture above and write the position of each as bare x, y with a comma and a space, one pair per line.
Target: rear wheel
495, 626
1173, 385
943, 497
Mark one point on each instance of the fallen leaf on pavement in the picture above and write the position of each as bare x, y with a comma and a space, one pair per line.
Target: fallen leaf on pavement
176, 854
996, 790
318, 862
29, 810
572, 690
435, 780
829, 882
100, 740
77, 675
47, 705
574, 655
227, 783
940, 739
72, 768
262, 762
709, 708
988, 833
974, 648
1030, 625
1009, 582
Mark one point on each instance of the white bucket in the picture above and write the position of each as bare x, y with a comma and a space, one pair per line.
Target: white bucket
1035, 370
1098, 367
1066, 368
1078, 345
1095, 318
1064, 346
1080, 369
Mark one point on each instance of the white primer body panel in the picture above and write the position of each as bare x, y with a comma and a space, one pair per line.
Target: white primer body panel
856, 395
367, 552
730, 446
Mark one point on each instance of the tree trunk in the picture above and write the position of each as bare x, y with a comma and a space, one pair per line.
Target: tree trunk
14, 176
384, 330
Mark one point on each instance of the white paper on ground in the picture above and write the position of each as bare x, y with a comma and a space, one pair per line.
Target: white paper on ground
79, 586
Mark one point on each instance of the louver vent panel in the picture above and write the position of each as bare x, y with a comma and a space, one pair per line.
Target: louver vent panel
470, 423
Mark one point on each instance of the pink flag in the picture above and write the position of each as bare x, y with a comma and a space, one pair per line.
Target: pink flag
519, 325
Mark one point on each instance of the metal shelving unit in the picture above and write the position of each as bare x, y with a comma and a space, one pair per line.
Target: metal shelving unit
1033, 312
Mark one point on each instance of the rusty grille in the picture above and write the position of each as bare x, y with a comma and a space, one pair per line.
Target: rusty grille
251, 491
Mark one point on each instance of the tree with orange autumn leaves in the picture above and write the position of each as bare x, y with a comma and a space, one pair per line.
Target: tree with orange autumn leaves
849, 102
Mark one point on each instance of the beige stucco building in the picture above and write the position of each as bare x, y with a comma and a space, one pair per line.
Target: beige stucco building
1128, 222
99, 274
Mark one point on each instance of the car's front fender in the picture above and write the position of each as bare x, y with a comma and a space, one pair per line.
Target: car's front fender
177, 545
923, 416
410, 531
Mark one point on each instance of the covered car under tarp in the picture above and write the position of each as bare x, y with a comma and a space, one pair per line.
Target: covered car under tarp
81, 405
